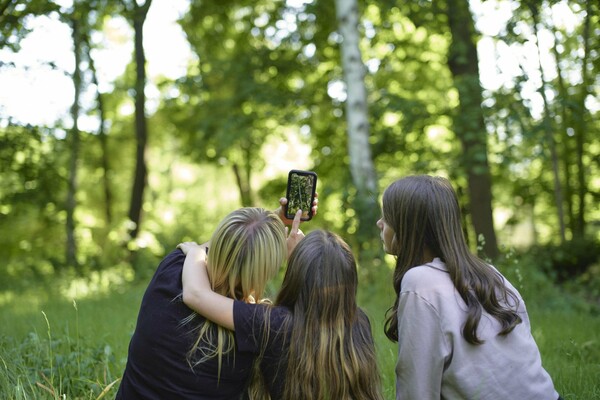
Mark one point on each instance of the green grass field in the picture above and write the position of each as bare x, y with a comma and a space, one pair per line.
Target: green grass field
51, 346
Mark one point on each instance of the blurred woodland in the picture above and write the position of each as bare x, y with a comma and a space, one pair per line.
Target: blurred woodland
361, 93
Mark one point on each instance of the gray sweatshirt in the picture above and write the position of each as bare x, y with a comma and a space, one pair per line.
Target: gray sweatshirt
436, 362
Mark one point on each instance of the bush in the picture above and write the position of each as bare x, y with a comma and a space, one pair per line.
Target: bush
538, 288
564, 262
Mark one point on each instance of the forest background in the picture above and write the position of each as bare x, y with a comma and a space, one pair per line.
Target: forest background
502, 97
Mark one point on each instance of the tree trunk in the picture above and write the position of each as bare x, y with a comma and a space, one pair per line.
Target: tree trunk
141, 132
241, 179
103, 138
548, 131
565, 144
581, 126
362, 169
469, 124
71, 250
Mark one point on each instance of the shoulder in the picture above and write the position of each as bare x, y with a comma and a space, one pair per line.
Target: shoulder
174, 259
362, 325
248, 310
167, 276
362, 320
254, 315
174, 256
257, 325
433, 274
362, 315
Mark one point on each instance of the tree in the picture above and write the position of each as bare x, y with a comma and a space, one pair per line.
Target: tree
32, 190
560, 143
137, 14
361, 163
13, 13
243, 88
581, 116
71, 252
468, 121
547, 126
102, 135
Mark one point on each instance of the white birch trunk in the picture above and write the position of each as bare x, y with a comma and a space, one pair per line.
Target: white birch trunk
361, 163
359, 150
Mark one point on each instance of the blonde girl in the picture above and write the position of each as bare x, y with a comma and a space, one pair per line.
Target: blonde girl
176, 354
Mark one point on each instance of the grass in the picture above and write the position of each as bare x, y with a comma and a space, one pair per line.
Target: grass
57, 348
570, 347
51, 346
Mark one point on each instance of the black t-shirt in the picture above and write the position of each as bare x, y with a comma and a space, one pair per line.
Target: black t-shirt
157, 367
251, 326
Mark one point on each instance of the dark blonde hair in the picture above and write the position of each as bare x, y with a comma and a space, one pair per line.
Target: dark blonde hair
424, 213
331, 352
246, 250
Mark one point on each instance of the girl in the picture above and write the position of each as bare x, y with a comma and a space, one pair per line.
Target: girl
197, 359
462, 329
314, 343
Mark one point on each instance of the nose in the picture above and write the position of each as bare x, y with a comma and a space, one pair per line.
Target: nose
380, 223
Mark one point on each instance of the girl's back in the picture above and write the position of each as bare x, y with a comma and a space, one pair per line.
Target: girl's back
157, 367
431, 318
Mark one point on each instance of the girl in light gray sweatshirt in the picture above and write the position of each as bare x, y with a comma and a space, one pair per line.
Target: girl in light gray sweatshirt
462, 329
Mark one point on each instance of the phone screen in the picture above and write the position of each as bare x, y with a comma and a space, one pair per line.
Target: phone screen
301, 189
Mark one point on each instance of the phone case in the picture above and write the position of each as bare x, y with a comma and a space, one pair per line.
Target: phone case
301, 189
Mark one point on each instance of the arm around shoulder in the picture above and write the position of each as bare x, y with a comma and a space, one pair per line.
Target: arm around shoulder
197, 291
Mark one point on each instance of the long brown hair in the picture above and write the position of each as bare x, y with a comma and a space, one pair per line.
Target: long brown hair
424, 213
331, 350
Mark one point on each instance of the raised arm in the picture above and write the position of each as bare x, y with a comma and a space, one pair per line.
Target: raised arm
294, 235
197, 291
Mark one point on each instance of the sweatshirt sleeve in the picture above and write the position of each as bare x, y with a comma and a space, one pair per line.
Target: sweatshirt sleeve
422, 350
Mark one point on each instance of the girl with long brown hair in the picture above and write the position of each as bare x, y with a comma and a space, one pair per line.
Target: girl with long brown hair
314, 342
462, 329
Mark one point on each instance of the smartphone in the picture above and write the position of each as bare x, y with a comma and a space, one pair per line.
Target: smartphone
301, 188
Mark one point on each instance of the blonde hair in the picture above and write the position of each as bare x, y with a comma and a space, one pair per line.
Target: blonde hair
246, 250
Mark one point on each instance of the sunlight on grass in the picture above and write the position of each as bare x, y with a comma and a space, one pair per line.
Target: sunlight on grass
22, 303
6, 297
97, 282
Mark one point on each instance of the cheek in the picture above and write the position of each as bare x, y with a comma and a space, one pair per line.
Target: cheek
388, 234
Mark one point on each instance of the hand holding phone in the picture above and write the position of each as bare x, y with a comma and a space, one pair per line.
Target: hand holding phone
301, 188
